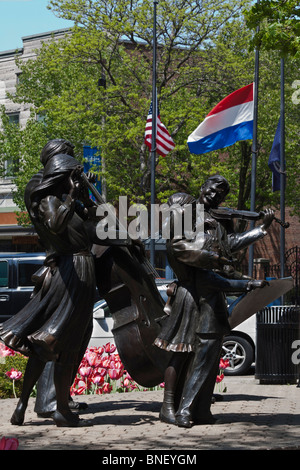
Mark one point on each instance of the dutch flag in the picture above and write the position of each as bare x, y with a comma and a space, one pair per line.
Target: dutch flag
229, 121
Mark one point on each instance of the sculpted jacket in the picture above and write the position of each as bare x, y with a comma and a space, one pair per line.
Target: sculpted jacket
200, 307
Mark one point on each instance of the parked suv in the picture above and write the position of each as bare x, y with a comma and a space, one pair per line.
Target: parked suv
16, 270
16, 286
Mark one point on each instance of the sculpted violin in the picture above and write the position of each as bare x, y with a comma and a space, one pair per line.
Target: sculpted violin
228, 213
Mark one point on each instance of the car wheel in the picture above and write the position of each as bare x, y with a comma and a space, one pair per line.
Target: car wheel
239, 353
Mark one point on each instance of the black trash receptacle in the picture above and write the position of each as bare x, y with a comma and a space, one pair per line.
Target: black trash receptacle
277, 327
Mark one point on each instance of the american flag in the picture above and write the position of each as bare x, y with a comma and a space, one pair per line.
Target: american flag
164, 142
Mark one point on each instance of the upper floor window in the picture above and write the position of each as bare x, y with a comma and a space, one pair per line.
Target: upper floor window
18, 78
11, 167
14, 118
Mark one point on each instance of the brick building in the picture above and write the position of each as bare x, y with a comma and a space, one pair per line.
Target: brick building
267, 250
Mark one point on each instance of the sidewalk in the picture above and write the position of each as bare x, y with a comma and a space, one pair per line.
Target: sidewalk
255, 417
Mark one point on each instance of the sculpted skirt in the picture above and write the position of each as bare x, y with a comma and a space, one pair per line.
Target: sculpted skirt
178, 333
57, 316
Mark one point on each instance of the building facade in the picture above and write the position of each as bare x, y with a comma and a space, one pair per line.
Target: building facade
12, 236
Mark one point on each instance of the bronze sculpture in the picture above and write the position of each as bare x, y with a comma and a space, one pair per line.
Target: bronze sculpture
199, 317
55, 327
56, 323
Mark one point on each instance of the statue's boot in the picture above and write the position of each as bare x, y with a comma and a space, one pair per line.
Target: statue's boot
45, 403
63, 416
18, 415
33, 370
183, 421
167, 412
65, 419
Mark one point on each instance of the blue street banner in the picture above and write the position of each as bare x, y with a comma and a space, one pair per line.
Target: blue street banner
274, 160
92, 162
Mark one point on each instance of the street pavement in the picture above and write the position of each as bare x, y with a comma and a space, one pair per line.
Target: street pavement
254, 417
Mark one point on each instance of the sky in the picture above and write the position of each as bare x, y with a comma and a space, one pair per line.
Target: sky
19, 18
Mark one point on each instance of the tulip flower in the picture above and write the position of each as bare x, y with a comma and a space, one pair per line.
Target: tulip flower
219, 378
93, 359
223, 364
79, 387
128, 376
100, 371
85, 371
14, 375
126, 382
78, 391
5, 351
109, 348
106, 363
100, 350
107, 388
115, 374
97, 380
9, 443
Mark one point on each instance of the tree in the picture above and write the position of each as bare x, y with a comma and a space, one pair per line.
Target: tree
277, 31
202, 56
114, 39
21, 147
279, 26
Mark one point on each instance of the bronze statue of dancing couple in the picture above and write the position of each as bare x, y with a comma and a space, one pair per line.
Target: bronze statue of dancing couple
54, 328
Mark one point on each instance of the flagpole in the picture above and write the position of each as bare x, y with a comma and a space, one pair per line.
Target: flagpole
254, 154
153, 142
282, 169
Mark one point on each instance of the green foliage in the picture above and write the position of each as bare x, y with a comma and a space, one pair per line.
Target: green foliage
279, 26
203, 55
23, 148
7, 363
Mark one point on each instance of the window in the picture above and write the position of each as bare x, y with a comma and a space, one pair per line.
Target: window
14, 118
41, 117
26, 269
11, 167
18, 78
3, 274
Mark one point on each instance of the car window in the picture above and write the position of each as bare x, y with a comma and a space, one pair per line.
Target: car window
26, 268
3, 274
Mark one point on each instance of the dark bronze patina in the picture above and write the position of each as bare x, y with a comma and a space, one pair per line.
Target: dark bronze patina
57, 322
199, 318
179, 342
